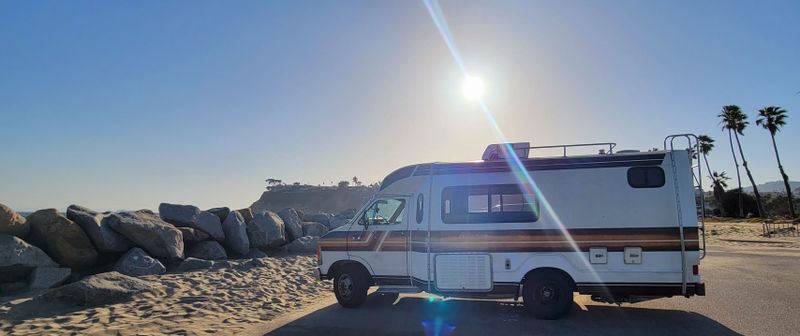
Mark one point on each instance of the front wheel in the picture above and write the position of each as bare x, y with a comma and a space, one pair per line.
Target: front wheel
350, 287
547, 295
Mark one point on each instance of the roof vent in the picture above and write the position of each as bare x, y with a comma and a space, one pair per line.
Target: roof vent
499, 151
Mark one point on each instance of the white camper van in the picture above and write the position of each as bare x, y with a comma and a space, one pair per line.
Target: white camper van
619, 226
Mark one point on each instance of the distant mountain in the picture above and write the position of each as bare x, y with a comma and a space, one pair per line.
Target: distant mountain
775, 187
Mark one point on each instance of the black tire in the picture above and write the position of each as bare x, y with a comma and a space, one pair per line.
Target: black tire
350, 286
547, 295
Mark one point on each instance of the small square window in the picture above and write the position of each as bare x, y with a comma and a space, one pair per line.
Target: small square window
478, 203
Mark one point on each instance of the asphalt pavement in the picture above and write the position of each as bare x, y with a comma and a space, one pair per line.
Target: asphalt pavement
750, 291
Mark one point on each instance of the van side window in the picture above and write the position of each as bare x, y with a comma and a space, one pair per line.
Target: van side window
420, 208
498, 203
646, 177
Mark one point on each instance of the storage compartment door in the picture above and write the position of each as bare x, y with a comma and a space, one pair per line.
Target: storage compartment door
463, 272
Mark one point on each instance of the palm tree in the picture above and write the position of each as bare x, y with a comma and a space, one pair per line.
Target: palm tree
735, 121
720, 181
706, 145
772, 118
735, 161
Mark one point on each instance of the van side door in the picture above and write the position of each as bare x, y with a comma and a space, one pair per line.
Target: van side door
379, 238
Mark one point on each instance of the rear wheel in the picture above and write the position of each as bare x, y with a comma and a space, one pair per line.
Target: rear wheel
350, 286
547, 295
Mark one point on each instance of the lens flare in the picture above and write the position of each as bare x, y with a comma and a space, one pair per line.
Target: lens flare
524, 179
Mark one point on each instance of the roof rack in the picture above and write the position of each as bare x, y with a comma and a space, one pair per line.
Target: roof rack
522, 149
610, 145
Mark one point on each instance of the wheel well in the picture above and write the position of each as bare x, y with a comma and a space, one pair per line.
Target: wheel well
341, 264
541, 270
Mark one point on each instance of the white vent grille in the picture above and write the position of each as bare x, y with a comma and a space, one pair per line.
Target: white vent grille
463, 272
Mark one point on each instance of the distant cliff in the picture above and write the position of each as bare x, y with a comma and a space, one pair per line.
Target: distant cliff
312, 199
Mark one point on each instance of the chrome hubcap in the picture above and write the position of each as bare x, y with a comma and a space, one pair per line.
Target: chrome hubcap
345, 286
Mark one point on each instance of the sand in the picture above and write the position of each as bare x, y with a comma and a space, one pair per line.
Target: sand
747, 234
225, 301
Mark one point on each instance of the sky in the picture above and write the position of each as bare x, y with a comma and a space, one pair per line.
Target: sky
123, 105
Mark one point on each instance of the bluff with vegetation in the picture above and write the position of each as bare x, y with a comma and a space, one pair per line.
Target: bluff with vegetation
314, 199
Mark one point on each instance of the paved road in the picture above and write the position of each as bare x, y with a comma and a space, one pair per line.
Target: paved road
750, 291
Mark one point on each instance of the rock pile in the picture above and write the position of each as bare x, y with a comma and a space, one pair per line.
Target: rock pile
49, 248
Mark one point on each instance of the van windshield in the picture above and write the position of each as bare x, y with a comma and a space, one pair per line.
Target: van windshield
386, 211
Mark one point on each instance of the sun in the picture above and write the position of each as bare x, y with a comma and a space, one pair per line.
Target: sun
473, 88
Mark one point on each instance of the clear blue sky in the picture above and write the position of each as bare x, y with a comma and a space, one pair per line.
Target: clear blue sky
121, 105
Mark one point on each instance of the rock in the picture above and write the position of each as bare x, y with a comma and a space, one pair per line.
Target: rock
95, 225
48, 277
337, 222
137, 262
303, 245
148, 231
12, 223
235, 230
11, 287
346, 214
209, 250
266, 231
191, 216
246, 213
314, 229
221, 212
62, 239
179, 214
191, 236
98, 289
211, 224
191, 264
18, 258
292, 222
322, 217
255, 253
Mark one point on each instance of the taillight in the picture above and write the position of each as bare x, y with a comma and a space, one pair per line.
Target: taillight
319, 255
696, 270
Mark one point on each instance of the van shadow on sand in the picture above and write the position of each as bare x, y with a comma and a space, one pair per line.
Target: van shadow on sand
423, 316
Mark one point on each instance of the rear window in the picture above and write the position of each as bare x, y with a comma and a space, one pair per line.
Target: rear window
646, 177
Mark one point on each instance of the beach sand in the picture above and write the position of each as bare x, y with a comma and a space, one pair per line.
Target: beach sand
223, 301
746, 234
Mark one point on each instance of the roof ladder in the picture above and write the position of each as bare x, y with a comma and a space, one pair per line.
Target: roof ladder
694, 150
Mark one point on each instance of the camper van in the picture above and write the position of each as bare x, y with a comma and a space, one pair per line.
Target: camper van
618, 226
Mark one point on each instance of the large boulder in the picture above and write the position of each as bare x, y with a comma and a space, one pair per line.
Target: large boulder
137, 262
209, 250
266, 231
12, 223
49, 277
221, 212
211, 224
322, 217
95, 225
246, 213
191, 236
178, 214
236, 233
255, 253
191, 216
62, 239
148, 231
18, 258
314, 229
98, 289
292, 222
346, 214
337, 222
303, 245
192, 264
